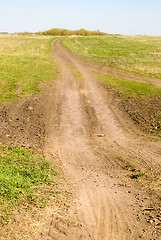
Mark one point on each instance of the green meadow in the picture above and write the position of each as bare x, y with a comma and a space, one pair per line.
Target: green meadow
135, 54
26, 65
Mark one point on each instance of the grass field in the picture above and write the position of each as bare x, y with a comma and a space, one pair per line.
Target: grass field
26, 64
135, 54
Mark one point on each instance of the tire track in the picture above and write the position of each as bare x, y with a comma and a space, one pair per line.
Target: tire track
112, 127
91, 169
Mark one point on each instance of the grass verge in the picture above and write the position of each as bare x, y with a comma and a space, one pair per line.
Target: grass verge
26, 65
129, 87
141, 101
23, 173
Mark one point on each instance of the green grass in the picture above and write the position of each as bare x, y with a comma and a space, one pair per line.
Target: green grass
137, 175
129, 87
128, 166
76, 73
136, 54
22, 172
26, 65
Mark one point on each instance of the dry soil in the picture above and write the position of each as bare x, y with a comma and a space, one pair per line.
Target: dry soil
81, 128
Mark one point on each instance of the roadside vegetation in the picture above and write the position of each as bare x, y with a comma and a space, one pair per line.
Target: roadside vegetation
22, 172
135, 54
27, 179
141, 101
128, 87
26, 65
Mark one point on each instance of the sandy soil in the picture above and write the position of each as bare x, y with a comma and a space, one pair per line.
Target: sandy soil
80, 126
94, 141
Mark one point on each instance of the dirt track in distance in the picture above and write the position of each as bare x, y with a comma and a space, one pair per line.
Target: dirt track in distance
94, 141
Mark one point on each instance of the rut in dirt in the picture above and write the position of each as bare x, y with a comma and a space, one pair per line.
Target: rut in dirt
113, 122
80, 114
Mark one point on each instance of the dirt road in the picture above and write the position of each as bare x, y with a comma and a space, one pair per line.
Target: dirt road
94, 142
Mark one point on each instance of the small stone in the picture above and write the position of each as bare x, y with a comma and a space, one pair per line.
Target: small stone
30, 108
150, 221
130, 230
149, 209
76, 225
100, 135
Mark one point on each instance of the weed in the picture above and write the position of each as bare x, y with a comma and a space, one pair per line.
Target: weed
128, 166
137, 175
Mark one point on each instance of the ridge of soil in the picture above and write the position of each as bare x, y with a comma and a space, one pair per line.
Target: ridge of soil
144, 112
22, 123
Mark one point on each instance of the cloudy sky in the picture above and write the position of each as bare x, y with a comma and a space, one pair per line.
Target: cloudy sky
130, 17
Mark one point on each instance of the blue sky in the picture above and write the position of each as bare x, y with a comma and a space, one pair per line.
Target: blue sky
131, 17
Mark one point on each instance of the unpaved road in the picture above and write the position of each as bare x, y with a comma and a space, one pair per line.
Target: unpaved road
109, 205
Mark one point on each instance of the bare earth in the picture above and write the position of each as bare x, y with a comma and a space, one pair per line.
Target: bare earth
81, 128
94, 141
